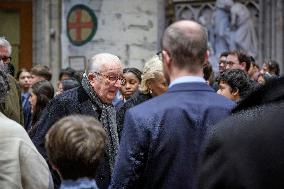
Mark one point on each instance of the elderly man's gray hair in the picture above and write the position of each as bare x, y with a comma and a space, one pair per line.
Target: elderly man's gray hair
6, 44
97, 61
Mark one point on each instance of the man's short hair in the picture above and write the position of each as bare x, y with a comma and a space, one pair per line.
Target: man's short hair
187, 46
6, 44
225, 53
42, 71
238, 80
242, 57
75, 145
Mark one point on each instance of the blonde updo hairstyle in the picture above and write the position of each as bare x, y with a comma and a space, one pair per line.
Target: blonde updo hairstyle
152, 69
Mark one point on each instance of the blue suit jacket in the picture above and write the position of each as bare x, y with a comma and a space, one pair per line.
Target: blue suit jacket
161, 138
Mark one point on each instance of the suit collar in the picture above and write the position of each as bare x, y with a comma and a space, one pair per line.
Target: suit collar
192, 86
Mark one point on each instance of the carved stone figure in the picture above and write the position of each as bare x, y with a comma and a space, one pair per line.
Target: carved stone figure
221, 20
243, 33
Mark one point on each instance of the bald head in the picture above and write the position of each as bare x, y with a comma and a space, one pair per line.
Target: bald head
99, 61
186, 42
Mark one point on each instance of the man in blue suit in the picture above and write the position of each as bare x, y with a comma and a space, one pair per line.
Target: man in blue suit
161, 138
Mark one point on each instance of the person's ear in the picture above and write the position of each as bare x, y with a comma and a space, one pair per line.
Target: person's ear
149, 85
91, 76
166, 58
243, 64
236, 93
206, 55
54, 167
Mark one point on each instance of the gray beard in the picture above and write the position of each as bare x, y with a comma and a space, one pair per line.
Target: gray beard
4, 67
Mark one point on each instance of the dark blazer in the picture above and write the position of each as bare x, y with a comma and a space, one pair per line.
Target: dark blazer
162, 136
246, 150
73, 101
136, 99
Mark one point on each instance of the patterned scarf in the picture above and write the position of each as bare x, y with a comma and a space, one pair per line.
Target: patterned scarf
108, 119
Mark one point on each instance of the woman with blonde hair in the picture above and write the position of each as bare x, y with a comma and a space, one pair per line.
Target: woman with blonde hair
153, 84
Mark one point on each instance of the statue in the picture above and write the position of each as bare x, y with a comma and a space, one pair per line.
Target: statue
243, 33
233, 28
221, 29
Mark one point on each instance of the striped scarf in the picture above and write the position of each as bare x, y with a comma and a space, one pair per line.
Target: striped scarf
108, 120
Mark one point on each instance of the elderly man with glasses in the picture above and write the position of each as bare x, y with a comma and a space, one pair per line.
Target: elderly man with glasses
101, 81
13, 105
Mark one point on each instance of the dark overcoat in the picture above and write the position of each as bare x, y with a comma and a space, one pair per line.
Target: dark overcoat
74, 101
246, 149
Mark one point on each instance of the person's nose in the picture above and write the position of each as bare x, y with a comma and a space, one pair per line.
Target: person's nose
227, 67
127, 86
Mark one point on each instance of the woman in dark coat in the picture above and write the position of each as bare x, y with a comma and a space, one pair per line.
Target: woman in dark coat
41, 93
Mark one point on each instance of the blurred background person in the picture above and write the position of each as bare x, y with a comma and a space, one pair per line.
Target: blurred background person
66, 84
253, 71
41, 93
263, 78
264, 68
132, 80
238, 60
69, 73
234, 84
273, 68
153, 84
76, 160
13, 103
222, 61
39, 73
23, 76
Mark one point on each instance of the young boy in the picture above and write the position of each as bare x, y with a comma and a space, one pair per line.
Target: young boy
75, 145
234, 84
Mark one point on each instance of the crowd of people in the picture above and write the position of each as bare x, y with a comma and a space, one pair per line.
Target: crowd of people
175, 124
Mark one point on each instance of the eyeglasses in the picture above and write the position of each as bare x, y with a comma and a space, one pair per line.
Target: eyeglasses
112, 79
6, 59
230, 63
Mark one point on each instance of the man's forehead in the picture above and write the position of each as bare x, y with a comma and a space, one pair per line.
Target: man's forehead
232, 57
112, 67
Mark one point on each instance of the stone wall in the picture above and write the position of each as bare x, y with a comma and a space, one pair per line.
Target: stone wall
132, 29
128, 29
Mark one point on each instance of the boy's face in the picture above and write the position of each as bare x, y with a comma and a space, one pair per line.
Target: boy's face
226, 90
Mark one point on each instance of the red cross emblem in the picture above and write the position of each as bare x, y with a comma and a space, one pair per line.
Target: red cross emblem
81, 24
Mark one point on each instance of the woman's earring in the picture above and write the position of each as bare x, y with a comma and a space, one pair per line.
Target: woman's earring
150, 91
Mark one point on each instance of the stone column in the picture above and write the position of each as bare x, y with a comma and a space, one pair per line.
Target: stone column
272, 27
41, 27
55, 39
46, 35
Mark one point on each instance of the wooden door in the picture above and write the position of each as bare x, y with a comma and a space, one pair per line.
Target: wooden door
16, 27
